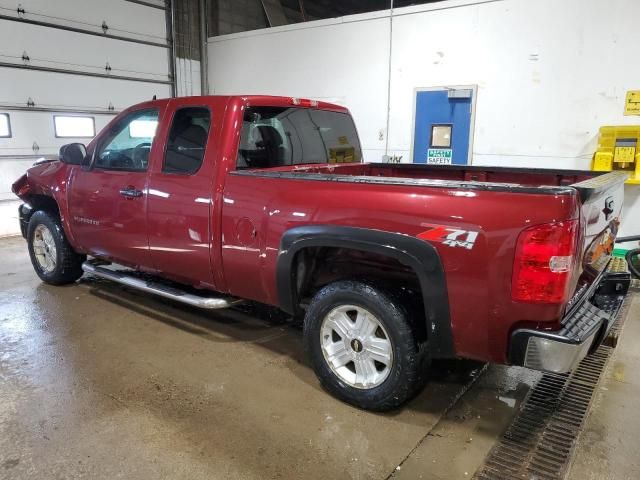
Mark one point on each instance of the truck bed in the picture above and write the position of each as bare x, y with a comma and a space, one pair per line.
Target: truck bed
484, 178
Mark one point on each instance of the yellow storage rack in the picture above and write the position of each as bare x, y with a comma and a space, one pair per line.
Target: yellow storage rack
619, 149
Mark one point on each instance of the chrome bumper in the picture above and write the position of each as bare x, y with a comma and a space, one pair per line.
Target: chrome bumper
582, 331
555, 355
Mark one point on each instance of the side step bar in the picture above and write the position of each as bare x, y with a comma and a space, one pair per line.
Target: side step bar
210, 303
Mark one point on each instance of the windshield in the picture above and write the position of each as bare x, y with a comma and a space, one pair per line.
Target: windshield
278, 136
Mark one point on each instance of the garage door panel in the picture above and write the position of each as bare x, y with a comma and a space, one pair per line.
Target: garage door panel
17, 153
52, 89
61, 49
123, 18
11, 170
59, 92
30, 127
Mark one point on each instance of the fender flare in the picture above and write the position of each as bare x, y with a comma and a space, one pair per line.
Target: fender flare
420, 256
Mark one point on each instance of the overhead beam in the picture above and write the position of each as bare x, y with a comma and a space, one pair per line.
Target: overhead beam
148, 4
170, 15
302, 10
274, 11
204, 60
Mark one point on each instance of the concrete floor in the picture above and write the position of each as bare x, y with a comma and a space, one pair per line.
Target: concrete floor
97, 381
608, 448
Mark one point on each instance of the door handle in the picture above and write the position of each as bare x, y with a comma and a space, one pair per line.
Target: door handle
131, 192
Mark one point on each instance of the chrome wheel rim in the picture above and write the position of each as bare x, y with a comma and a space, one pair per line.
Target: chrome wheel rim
44, 249
356, 346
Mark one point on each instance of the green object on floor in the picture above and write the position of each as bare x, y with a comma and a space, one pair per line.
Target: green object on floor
620, 252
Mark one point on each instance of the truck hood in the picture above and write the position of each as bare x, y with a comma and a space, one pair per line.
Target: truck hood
39, 179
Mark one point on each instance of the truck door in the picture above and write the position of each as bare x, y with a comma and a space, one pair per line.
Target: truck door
180, 192
107, 201
443, 125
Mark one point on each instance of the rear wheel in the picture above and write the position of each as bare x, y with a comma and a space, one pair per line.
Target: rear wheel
362, 346
52, 257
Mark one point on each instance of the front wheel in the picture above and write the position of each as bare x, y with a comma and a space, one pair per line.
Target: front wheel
362, 346
52, 257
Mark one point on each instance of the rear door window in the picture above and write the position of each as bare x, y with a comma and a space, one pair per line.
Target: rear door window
278, 136
187, 140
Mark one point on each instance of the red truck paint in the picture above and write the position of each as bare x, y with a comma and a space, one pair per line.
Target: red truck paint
221, 230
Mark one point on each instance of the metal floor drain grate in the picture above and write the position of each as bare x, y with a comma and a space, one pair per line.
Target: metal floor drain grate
540, 441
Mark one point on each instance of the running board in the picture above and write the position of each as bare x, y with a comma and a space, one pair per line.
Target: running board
209, 303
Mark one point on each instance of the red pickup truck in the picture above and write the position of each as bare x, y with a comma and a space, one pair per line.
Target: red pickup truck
214, 200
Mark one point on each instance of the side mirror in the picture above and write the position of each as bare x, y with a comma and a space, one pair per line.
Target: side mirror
73, 153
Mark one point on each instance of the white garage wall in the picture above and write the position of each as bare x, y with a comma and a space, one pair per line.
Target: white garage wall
54, 48
343, 61
549, 73
546, 80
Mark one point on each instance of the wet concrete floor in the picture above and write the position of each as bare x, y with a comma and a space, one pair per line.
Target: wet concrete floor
97, 381
608, 447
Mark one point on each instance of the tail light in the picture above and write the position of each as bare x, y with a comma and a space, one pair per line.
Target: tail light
545, 255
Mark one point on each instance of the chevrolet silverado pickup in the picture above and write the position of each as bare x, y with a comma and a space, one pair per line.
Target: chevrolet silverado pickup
215, 200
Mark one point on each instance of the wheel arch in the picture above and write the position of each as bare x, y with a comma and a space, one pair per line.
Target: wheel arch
44, 202
54, 205
34, 203
420, 256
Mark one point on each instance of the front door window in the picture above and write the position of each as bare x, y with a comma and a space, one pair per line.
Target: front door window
128, 144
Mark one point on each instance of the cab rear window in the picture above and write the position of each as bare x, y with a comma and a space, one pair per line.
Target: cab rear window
279, 136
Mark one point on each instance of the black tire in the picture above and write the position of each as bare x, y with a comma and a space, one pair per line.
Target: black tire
409, 367
68, 263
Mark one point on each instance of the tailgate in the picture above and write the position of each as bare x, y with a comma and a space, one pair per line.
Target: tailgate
601, 201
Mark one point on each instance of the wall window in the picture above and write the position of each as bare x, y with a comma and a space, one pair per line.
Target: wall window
74, 126
5, 125
128, 143
441, 136
187, 140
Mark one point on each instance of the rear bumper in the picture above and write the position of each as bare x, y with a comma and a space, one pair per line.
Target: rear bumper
583, 330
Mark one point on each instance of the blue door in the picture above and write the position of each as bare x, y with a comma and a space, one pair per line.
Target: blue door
442, 126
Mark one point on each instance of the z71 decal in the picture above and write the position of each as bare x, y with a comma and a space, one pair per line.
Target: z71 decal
453, 237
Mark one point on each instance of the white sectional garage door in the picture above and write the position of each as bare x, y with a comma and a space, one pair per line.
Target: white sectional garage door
86, 58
